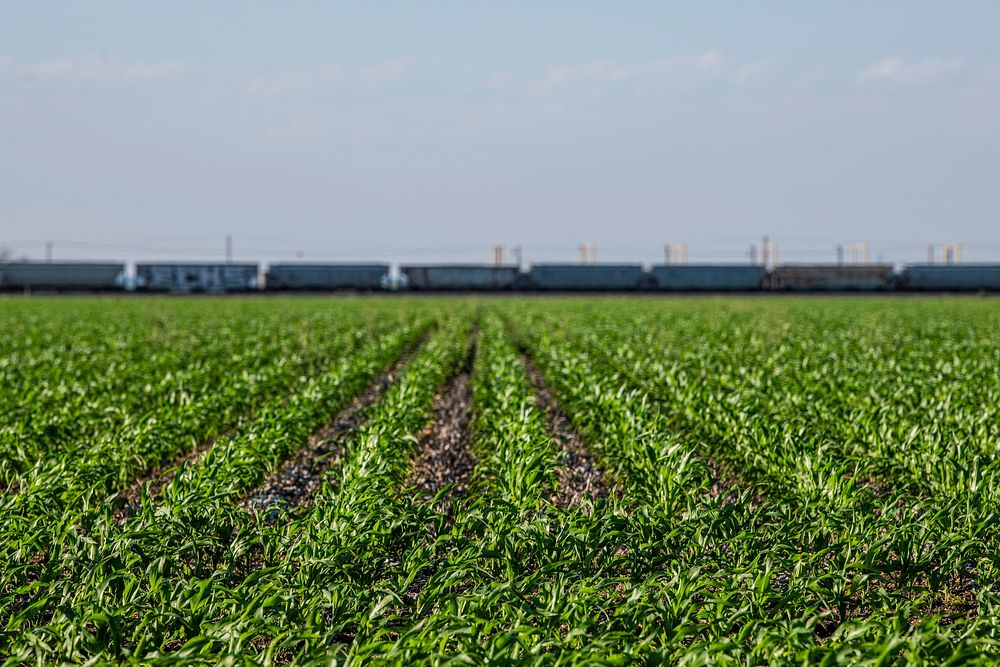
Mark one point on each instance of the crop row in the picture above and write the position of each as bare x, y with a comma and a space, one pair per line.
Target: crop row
140, 578
790, 482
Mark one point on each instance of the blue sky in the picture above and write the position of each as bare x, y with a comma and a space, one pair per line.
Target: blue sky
428, 131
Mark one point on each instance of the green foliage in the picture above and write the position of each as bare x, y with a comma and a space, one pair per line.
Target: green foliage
795, 482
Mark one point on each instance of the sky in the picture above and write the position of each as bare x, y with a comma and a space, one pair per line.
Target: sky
422, 132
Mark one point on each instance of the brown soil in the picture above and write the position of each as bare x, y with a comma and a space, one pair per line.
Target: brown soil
445, 456
578, 473
300, 477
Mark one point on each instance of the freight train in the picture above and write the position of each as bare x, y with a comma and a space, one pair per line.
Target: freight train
189, 277
702, 278
62, 276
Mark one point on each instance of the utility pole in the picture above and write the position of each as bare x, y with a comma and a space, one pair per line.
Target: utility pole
518, 257
930, 254
753, 254
764, 247
229, 248
840, 255
48, 251
667, 254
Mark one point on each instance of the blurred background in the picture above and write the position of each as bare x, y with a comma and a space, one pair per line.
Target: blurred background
406, 132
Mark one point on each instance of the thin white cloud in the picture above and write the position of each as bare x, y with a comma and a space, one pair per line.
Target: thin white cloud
500, 80
598, 70
750, 72
94, 69
898, 70
608, 72
390, 69
709, 60
288, 79
711, 65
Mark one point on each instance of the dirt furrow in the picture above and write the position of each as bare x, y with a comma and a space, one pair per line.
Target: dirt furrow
301, 476
444, 457
578, 473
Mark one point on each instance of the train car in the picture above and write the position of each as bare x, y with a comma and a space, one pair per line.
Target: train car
951, 278
459, 277
321, 277
708, 278
588, 277
833, 278
196, 277
59, 276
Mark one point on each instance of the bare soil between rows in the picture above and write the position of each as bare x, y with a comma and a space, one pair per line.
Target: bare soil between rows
579, 475
444, 458
300, 477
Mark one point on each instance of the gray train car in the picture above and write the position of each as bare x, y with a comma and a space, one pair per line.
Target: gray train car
708, 278
951, 278
96, 276
588, 277
459, 277
319, 277
833, 278
196, 277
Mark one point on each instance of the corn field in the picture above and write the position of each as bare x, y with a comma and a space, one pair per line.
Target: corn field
317, 481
